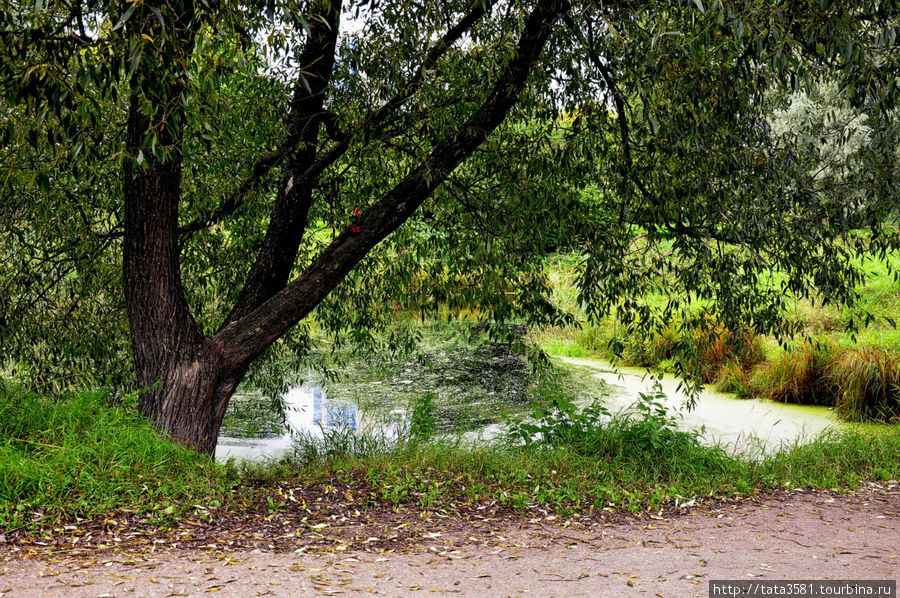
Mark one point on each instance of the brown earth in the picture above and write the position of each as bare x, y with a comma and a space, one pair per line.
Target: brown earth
798, 535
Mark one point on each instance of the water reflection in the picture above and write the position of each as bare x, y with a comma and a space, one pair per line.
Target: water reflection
743, 426
307, 411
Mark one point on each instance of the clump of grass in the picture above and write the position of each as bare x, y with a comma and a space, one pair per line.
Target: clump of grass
77, 456
861, 383
311, 451
659, 347
797, 376
868, 384
734, 378
836, 459
707, 353
703, 350
717, 347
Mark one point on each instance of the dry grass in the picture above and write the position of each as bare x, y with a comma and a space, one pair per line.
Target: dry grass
797, 376
861, 383
867, 381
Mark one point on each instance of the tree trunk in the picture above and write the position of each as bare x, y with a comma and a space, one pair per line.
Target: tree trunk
186, 386
190, 397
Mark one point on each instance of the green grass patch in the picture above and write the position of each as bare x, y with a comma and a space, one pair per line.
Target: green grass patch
76, 456
836, 460
79, 457
618, 467
585, 463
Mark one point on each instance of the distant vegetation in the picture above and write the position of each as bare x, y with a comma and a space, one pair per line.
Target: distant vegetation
846, 357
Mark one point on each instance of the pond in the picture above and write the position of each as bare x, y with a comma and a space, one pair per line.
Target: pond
307, 410
746, 426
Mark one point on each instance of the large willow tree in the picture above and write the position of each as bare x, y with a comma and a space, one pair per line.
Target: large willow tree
221, 172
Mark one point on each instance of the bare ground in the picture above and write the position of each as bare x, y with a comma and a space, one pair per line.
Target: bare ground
801, 535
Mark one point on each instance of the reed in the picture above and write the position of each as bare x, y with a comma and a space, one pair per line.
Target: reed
800, 375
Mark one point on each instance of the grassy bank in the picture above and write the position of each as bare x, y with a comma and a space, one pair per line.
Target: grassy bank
79, 458
856, 372
76, 456
616, 469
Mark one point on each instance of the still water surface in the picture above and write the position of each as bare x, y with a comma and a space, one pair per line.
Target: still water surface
745, 426
307, 410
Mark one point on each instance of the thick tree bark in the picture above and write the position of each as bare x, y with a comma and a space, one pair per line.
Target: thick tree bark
187, 388
191, 395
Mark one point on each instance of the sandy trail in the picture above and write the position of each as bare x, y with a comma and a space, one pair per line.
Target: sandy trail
804, 536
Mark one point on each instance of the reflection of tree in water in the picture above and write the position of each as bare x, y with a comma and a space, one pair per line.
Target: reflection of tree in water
473, 385
254, 415
474, 380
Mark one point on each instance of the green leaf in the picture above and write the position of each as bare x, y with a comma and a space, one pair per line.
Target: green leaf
125, 16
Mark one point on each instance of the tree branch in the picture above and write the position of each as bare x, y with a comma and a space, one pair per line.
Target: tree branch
618, 100
371, 123
288, 217
264, 164
243, 340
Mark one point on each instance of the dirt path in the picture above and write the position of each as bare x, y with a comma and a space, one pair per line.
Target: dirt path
803, 536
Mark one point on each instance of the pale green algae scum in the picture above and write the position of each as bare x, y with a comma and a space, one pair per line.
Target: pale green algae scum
748, 427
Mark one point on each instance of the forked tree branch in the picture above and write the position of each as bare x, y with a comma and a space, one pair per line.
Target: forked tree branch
370, 125
245, 339
289, 213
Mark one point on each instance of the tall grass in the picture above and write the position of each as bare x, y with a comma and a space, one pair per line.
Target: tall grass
836, 459
77, 456
868, 384
798, 376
